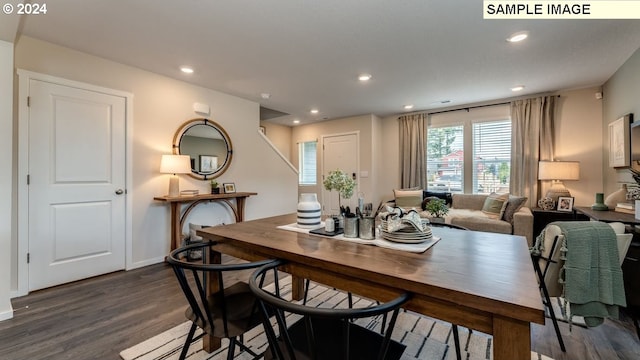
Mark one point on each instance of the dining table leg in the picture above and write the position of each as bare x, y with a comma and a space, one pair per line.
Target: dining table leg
297, 287
211, 343
511, 339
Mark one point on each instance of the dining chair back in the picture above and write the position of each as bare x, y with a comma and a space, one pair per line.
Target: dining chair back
548, 265
324, 333
226, 313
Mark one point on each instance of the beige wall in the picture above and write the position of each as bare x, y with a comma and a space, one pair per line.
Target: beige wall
389, 175
621, 96
280, 137
160, 106
577, 138
6, 177
364, 125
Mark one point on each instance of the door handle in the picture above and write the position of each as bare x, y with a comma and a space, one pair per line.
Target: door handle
119, 192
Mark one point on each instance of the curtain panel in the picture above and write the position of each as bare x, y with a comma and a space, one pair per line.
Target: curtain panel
413, 150
532, 141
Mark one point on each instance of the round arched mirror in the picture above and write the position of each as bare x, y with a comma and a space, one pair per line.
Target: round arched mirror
208, 145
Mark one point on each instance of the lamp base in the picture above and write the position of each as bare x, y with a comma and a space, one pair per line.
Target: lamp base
556, 190
174, 186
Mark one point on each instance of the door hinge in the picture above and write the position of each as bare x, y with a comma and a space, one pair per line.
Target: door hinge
28, 179
28, 258
28, 101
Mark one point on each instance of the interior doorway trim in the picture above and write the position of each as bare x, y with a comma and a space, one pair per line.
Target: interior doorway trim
24, 78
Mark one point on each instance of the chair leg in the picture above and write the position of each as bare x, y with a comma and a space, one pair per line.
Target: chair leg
232, 348
456, 341
635, 322
306, 291
552, 313
187, 342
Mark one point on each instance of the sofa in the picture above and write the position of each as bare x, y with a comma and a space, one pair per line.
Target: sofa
466, 210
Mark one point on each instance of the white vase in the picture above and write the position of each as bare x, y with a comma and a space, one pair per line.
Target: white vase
616, 197
309, 211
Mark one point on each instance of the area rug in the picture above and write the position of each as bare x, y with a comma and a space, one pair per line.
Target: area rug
425, 338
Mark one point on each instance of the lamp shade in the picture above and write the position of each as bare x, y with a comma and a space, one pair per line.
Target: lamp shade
558, 170
175, 164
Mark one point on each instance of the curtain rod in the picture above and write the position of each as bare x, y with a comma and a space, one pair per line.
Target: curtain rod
479, 106
467, 108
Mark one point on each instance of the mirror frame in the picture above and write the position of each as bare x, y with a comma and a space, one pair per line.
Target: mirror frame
177, 138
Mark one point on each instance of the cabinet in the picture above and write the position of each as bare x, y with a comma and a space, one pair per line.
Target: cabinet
542, 218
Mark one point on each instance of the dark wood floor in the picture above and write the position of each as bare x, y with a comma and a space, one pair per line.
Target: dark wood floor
99, 317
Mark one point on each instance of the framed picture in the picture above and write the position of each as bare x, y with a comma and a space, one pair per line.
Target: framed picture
208, 163
619, 142
263, 130
229, 188
565, 203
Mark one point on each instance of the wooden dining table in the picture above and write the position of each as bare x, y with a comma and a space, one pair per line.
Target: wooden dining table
483, 281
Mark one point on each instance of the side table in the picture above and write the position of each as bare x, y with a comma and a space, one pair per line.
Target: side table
542, 218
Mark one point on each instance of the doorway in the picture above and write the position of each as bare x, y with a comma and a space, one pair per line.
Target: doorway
73, 218
339, 152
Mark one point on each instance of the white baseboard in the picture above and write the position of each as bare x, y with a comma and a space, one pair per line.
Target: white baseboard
6, 315
144, 263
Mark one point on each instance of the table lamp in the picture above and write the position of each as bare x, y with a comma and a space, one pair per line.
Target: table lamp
558, 171
175, 164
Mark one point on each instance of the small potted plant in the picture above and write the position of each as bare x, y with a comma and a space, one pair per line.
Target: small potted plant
437, 208
342, 182
214, 187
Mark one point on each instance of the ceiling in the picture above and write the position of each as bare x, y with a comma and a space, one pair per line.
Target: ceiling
308, 53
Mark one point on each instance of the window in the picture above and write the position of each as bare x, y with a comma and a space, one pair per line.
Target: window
491, 156
307, 163
445, 158
470, 151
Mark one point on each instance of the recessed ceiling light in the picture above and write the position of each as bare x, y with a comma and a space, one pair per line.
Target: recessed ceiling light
186, 69
364, 77
517, 88
314, 111
296, 121
408, 107
265, 96
517, 37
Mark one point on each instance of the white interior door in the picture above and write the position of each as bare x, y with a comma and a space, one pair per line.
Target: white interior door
339, 152
77, 181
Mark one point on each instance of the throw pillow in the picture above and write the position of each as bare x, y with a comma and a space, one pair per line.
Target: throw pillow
446, 196
513, 205
408, 198
494, 205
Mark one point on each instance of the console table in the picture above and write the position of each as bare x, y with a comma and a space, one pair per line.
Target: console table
177, 219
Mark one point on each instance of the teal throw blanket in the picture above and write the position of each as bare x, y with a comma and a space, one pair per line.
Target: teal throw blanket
593, 283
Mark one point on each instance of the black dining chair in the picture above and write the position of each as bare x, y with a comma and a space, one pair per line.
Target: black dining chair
454, 327
548, 264
324, 333
226, 313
